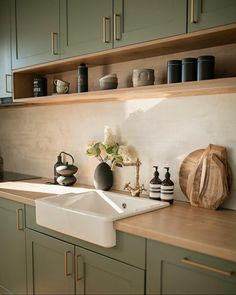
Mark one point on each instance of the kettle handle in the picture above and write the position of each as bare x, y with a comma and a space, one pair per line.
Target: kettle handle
69, 156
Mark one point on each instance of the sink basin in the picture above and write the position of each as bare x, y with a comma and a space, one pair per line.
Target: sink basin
90, 215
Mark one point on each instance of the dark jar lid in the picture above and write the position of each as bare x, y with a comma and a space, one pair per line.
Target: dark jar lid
189, 60
206, 58
174, 62
82, 65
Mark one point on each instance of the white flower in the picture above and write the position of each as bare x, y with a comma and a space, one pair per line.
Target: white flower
108, 136
125, 153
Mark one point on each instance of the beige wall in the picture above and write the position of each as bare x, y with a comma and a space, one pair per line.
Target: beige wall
163, 132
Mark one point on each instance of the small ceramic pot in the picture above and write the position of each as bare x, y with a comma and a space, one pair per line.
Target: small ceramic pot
103, 177
62, 87
108, 82
143, 77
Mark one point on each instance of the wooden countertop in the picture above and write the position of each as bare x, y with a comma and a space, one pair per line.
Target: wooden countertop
205, 231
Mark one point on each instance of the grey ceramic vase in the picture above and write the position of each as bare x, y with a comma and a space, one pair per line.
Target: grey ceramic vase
103, 177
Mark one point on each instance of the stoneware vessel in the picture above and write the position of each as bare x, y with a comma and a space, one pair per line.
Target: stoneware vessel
143, 77
108, 82
62, 87
103, 177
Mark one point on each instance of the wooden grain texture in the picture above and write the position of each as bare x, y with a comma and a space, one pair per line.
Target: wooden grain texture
180, 225
205, 177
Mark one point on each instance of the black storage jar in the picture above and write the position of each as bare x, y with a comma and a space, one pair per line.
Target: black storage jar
82, 78
173, 71
189, 69
205, 67
40, 86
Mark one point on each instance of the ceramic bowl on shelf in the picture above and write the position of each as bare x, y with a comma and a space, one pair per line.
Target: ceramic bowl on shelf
108, 82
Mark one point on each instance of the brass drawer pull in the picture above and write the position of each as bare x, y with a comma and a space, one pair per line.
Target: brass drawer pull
19, 219
54, 34
6, 83
67, 273
79, 273
193, 17
206, 267
117, 27
106, 29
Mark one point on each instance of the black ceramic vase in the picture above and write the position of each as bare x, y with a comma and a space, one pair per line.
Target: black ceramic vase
103, 177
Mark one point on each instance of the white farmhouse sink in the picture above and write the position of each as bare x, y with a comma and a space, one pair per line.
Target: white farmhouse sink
89, 215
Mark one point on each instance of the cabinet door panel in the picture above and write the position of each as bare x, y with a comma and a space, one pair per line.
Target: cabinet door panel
12, 248
5, 49
34, 23
168, 274
50, 267
140, 20
85, 25
102, 275
203, 14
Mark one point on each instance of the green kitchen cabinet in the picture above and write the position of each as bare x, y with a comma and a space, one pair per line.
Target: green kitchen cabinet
35, 31
5, 49
85, 26
50, 265
173, 270
97, 274
12, 248
140, 20
204, 14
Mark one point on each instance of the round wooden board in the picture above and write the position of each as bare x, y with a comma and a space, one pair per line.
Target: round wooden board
188, 165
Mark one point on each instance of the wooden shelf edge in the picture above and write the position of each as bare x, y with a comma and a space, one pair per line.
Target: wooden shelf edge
189, 41
195, 88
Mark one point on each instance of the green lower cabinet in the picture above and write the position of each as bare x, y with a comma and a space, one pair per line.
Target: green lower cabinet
12, 248
204, 14
50, 265
97, 274
172, 270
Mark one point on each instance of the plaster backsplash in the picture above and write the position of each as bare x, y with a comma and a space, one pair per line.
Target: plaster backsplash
163, 132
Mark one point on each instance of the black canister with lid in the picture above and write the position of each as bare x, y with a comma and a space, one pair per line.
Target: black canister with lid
173, 71
205, 67
82, 78
189, 69
40, 86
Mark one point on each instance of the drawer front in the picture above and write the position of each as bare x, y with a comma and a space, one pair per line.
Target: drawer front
129, 249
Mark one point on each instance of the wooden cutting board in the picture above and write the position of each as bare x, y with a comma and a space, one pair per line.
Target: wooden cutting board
205, 177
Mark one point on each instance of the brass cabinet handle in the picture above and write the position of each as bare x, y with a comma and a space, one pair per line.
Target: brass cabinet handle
106, 29
193, 17
54, 34
79, 271
6, 84
207, 267
117, 26
19, 219
67, 273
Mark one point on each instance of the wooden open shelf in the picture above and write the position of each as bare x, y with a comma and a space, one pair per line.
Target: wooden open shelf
205, 87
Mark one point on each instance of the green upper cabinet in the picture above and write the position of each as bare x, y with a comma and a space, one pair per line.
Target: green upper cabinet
172, 270
141, 20
97, 274
203, 14
35, 32
85, 26
12, 248
50, 265
5, 49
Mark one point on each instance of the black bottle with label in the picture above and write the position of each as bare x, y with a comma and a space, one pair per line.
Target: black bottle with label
167, 188
155, 186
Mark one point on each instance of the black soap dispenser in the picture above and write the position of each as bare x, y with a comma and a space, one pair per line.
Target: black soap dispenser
155, 186
167, 188
58, 163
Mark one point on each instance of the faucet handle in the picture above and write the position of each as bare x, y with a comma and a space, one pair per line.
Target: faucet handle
126, 185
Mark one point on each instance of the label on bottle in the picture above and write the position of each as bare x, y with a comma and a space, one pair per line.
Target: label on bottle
154, 191
167, 192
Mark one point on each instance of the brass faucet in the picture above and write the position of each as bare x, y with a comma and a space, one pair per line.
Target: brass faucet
138, 189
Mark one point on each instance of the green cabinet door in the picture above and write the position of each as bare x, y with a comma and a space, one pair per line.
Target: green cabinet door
97, 274
12, 248
5, 49
85, 26
35, 31
143, 20
203, 14
172, 270
50, 265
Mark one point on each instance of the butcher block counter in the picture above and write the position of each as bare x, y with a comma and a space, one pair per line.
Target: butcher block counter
205, 231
